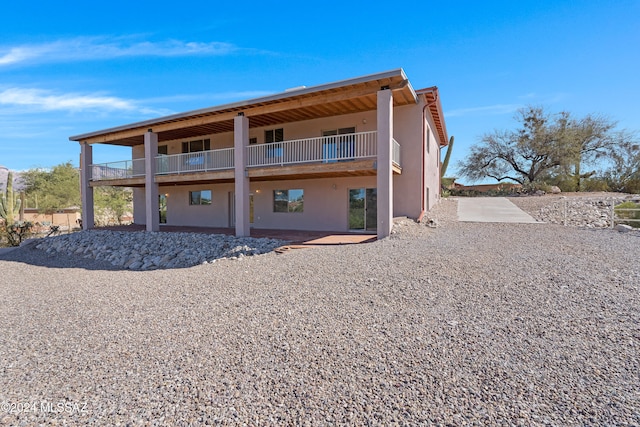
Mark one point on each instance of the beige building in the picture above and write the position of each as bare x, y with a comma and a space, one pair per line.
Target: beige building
343, 156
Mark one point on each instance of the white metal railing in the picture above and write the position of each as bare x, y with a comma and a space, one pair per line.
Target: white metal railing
201, 161
117, 170
395, 153
623, 213
326, 149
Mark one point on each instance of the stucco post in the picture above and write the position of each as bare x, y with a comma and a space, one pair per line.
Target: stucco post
385, 171
240, 142
150, 185
86, 191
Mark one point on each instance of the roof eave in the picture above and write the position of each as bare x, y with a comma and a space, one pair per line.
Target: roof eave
240, 104
444, 137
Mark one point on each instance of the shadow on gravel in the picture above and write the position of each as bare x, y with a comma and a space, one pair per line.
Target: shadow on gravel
32, 256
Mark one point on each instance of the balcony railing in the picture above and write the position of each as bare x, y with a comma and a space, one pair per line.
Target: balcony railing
202, 161
326, 149
395, 153
118, 170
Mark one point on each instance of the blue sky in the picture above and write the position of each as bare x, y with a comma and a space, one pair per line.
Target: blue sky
67, 68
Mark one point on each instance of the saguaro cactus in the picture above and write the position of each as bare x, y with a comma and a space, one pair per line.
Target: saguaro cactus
447, 156
9, 204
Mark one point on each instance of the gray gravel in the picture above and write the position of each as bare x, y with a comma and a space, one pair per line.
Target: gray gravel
485, 324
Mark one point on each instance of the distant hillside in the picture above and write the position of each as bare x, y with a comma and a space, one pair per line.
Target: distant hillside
17, 181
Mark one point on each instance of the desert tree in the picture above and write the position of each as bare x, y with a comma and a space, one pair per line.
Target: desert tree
55, 188
521, 155
623, 175
543, 145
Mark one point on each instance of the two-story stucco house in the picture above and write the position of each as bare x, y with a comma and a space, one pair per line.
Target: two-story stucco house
343, 156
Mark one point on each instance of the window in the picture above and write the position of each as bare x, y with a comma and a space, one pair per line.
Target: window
202, 197
271, 136
163, 163
274, 135
340, 145
196, 146
288, 200
253, 141
195, 161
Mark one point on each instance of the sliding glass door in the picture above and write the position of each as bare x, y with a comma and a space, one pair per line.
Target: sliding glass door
363, 209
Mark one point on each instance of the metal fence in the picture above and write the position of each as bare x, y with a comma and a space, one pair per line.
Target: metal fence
601, 212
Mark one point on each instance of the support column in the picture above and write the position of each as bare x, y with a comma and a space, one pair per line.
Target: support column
150, 185
86, 191
240, 142
385, 170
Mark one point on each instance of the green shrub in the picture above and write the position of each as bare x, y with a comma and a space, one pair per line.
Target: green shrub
16, 233
595, 184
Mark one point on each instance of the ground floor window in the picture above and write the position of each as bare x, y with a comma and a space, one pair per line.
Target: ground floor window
288, 200
202, 197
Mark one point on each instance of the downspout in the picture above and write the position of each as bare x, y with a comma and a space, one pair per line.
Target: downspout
423, 210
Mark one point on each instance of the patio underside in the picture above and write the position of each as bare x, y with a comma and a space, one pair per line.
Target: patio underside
296, 237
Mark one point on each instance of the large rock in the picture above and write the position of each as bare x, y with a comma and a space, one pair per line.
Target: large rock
624, 228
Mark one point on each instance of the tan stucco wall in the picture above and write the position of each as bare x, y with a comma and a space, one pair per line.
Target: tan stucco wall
325, 207
139, 214
326, 203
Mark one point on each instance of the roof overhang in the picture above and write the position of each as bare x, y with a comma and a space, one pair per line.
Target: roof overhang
432, 97
332, 99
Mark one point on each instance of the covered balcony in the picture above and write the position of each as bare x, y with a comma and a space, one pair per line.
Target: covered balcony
348, 154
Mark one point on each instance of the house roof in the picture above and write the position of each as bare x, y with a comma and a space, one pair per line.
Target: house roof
331, 99
435, 109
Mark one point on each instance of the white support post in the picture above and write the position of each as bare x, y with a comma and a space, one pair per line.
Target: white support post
385, 170
86, 191
240, 143
150, 185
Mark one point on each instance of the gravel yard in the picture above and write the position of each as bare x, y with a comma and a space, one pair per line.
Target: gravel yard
486, 324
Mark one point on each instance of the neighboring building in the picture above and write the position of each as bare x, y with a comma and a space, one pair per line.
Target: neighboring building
344, 156
66, 219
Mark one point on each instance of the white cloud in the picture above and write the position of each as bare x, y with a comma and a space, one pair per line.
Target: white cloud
101, 48
40, 100
486, 110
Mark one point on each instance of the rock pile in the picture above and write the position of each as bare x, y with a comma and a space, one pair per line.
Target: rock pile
580, 212
154, 250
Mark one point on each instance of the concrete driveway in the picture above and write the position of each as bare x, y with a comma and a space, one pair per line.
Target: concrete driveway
491, 209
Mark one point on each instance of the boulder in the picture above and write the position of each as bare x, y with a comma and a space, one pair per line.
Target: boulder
624, 228
556, 190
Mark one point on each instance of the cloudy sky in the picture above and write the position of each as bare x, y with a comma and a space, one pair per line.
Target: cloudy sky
68, 68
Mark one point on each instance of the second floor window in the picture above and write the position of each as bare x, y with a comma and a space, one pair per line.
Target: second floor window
274, 135
196, 146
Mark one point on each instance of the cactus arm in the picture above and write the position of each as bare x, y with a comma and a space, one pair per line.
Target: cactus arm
447, 156
8, 202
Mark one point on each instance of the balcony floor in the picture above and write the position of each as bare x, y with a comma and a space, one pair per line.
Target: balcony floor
351, 168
